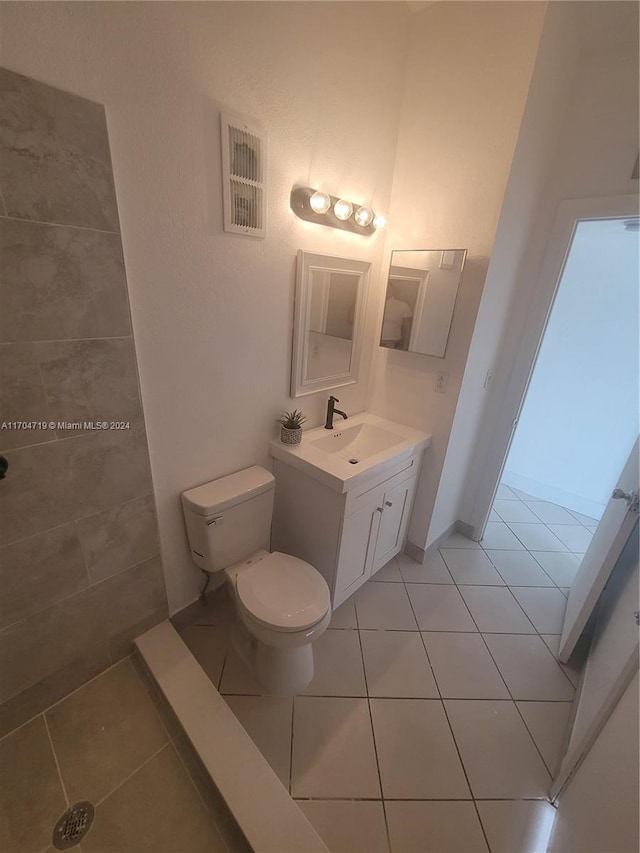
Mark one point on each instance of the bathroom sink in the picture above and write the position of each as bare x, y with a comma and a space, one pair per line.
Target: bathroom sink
354, 452
357, 443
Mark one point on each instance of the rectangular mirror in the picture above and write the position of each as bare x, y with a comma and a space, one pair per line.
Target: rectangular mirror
327, 331
421, 294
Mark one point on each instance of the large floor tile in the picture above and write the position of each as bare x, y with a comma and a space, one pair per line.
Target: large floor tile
529, 668
103, 732
351, 826
337, 662
545, 607
513, 511
469, 566
576, 537
396, 665
561, 566
573, 669
537, 537
436, 827
547, 722
519, 568
517, 826
345, 615
548, 513
237, 678
499, 756
524, 496
333, 753
390, 573
506, 493
584, 519
494, 609
440, 608
156, 809
384, 606
417, 755
457, 540
433, 570
463, 667
208, 644
31, 795
268, 721
498, 536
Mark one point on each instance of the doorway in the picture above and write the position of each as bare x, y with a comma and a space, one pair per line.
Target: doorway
579, 416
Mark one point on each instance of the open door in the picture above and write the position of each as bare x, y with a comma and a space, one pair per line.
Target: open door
608, 541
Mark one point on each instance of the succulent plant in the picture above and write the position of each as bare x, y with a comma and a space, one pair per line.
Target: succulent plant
292, 420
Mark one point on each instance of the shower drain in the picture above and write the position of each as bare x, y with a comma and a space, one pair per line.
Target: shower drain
73, 826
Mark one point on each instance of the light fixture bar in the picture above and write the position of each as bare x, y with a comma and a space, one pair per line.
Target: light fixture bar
300, 203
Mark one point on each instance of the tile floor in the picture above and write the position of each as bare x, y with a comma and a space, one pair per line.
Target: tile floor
107, 744
436, 714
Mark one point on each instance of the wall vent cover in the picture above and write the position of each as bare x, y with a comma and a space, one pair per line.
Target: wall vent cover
244, 161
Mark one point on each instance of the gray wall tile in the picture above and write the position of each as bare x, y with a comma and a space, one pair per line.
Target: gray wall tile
40, 571
120, 537
55, 164
60, 282
94, 380
42, 644
22, 396
50, 484
86, 664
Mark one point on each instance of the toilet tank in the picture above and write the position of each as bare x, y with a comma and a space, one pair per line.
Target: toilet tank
230, 518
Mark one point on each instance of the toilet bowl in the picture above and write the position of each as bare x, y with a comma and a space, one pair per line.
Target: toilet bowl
283, 604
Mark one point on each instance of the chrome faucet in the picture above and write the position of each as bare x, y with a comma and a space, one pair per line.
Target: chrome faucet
331, 411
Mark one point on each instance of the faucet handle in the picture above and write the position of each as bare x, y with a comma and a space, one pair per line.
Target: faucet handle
335, 399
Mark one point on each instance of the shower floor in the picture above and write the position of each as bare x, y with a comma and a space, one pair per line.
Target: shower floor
107, 744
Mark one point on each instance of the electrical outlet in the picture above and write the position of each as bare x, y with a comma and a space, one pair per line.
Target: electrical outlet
442, 380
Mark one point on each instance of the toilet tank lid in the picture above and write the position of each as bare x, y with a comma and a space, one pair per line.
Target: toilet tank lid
227, 491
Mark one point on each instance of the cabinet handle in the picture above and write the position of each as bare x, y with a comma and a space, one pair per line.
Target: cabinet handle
379, 509
388, 503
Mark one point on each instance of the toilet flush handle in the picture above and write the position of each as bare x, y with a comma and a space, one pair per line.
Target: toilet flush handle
216, 520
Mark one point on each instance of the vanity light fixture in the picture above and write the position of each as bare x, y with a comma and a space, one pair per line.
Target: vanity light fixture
324, 209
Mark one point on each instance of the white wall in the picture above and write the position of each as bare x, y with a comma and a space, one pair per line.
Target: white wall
580, 417
212, 312
468, 71
579, 138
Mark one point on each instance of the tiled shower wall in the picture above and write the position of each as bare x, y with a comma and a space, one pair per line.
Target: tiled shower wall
80, 571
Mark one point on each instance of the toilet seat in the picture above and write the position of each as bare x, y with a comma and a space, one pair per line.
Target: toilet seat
283, 593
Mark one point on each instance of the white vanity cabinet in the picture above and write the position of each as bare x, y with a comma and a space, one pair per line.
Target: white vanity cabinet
347, 536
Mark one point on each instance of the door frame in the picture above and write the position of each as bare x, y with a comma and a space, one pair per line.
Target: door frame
570, 212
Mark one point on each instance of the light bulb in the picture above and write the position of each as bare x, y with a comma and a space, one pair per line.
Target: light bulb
320, 202
379, 220
363, 216
343, 209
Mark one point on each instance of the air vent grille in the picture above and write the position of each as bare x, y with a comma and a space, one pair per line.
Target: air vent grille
244, 169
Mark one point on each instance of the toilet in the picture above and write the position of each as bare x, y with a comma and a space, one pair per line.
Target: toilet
282, 603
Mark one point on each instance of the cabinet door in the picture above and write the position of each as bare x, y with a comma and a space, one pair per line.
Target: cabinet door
357, 549
393, 522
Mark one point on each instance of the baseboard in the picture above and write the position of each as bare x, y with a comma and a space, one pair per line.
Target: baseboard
420, 554
545, 492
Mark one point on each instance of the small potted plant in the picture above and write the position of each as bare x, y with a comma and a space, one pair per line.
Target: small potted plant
291, 427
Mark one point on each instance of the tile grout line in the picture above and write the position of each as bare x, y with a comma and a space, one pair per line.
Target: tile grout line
167, 745
60, 225
55, 758
373, 731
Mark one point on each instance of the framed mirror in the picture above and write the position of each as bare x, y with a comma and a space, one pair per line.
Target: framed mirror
422, 287
328, 320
